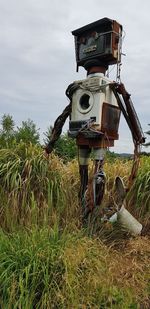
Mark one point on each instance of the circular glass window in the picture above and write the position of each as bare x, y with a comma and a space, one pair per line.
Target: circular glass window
84, 101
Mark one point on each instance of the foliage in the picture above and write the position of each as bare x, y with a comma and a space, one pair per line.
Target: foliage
147, 144
35, 188
9, 137
140, 191
111, 156
47, 259
32, 186
65, 147
28, 132
48, 134
7, 132
7, 124
44, 268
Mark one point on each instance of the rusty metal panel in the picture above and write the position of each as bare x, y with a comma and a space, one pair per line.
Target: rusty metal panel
110, 120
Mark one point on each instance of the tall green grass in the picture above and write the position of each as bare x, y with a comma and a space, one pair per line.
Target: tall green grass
46, 269
47, 260
34, 189
139, 196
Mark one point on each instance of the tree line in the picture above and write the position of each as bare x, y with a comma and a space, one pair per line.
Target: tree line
28, 132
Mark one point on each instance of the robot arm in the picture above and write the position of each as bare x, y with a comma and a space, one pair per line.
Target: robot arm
57, 129
129, 112
59, 122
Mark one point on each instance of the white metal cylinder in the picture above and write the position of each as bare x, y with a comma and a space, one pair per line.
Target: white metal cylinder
128, 222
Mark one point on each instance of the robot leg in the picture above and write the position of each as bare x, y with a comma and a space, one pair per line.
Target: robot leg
99, 176
83, 158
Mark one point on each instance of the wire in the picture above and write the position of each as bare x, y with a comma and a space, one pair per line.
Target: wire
123, 37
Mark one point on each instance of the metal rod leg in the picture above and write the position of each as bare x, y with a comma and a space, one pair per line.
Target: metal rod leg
83, 170
99, 183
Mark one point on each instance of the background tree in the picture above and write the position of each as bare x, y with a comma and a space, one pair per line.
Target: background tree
28, 133
65, 147
7, 131
148, 132
47, 135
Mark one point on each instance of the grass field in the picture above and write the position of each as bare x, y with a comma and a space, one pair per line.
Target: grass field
47, 259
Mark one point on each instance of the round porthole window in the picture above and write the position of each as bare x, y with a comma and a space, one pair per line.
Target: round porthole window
84, 101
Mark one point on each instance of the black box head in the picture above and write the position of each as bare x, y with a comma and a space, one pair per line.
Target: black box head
98, 43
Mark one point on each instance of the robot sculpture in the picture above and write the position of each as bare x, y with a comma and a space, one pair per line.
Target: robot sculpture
95, 107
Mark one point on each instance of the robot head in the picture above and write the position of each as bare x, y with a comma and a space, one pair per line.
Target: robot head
98, 43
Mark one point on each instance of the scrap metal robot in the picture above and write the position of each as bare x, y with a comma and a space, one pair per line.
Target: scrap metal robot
95, 106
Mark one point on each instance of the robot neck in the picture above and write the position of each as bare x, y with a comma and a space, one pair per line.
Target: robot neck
96, 70
95, 74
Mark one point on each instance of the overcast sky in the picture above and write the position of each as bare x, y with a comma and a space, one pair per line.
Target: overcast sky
37, 58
